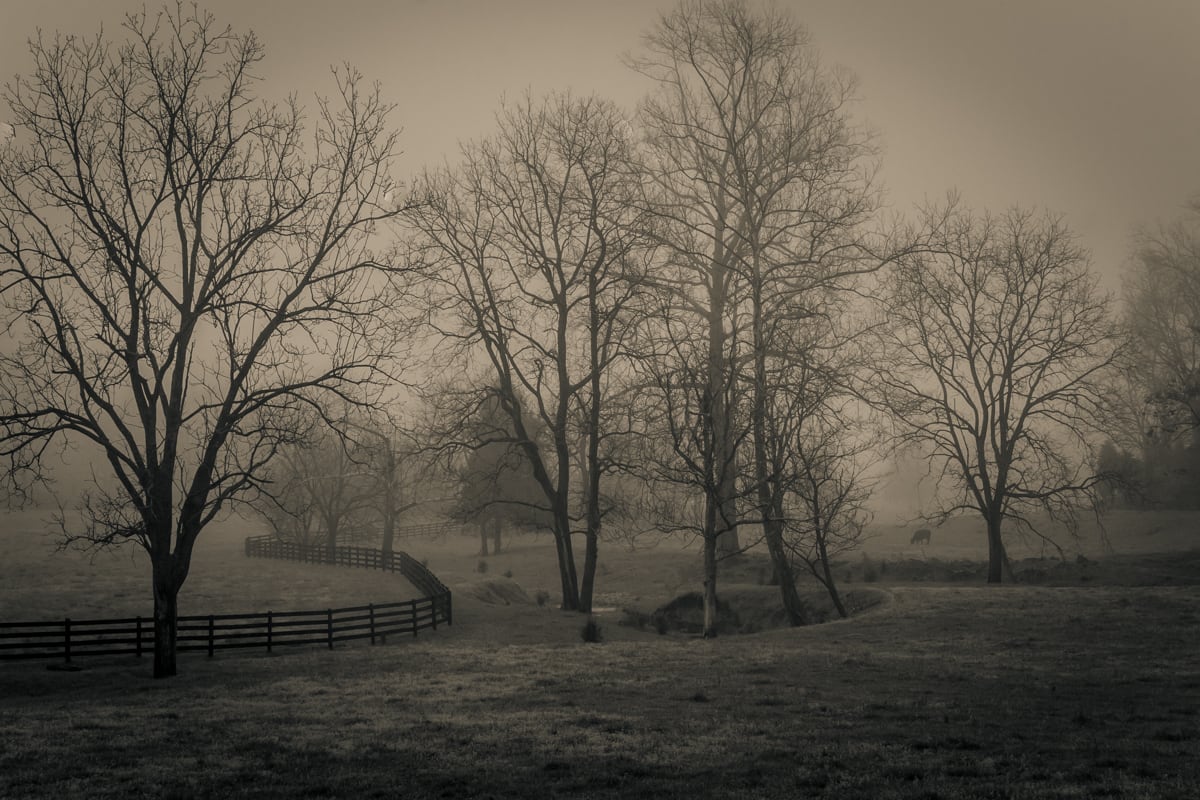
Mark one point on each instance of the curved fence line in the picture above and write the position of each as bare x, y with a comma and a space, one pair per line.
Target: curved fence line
68, 638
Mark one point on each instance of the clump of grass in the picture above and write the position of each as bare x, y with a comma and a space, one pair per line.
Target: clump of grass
508, 573
482, 567
542, 597
590, 632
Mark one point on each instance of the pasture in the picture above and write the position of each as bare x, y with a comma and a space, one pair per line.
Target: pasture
1085, 685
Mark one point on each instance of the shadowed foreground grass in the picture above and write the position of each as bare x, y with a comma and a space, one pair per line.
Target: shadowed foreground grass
949, 692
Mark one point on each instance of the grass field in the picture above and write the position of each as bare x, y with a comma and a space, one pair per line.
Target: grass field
1090, 688
37, 583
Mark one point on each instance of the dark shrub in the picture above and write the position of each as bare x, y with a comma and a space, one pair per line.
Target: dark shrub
591, 631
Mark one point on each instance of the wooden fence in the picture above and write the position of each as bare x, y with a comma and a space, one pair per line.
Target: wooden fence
68, 638
429, 530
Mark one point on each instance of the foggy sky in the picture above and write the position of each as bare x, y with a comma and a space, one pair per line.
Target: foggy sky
1087, 107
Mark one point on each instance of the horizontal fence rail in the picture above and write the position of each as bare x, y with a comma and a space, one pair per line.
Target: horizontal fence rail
428, 530
69, 638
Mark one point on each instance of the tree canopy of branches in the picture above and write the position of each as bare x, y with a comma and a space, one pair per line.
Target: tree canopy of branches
184, 270
1163, 299
316, 491
340, 481
535, 238
496, 483
994, 348
1163, 312
761, 186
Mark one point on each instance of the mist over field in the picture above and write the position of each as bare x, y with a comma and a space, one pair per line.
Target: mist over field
686, 398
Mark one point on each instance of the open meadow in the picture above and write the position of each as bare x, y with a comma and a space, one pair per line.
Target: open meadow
1084, 685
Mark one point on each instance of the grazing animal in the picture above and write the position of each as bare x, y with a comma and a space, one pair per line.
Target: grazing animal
921, 536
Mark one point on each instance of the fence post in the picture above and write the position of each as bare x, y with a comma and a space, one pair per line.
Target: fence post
210, 635
139, 637
329, 625
434, 603
270, 620
67, 638
412, 616
449, 608
371, 612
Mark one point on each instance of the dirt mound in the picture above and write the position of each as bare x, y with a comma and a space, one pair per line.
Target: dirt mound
686, 613
749, 609
496, 592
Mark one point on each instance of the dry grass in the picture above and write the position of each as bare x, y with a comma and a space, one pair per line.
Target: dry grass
942, 692
38, 583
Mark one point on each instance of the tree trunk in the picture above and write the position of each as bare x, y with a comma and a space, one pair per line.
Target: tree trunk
724, 449
996, 554
590, 556
773, 533
710, 587
728, 542
331, 541
497, 527
166, 619
828, 579
389, 532
566, 559
726, 463
483, 537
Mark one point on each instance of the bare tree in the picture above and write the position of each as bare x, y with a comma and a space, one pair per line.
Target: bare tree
762, 186
184, 273
996, 343
692, 143
535, 237
317, 490
682, 417
495, 483
1163, 310
827, 492
388, 460
287, 505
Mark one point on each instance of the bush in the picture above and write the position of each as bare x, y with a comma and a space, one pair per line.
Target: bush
542, 597
508, 573
591, 631
481, 567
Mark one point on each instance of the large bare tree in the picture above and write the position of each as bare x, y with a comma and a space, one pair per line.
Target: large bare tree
186, 271
996, 342
536, 239
762, 186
